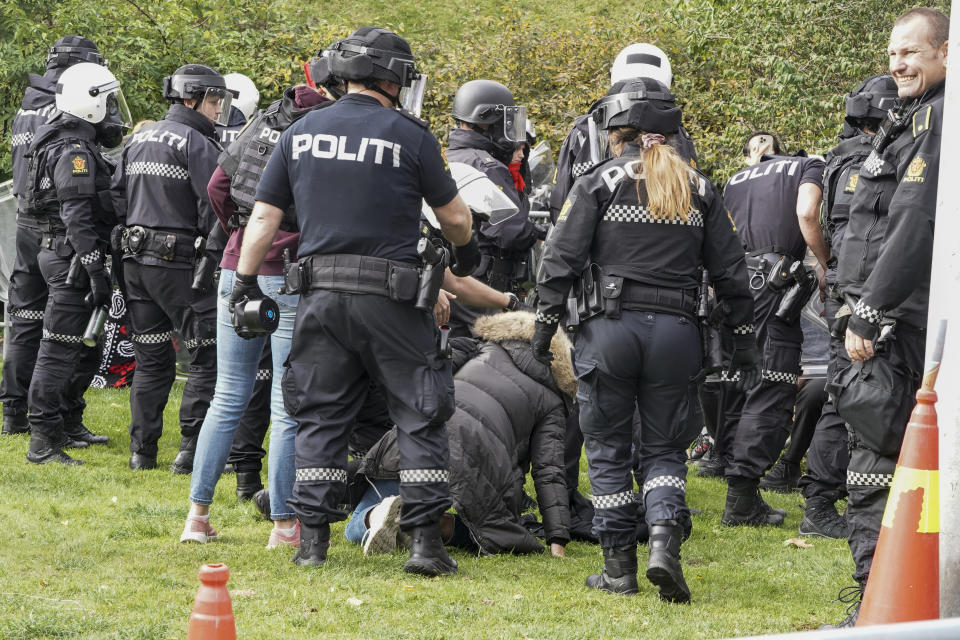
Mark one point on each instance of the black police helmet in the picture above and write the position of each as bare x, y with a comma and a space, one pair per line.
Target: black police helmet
372, 53
639, 103
871, 100
70, 50
476, 101
191, 81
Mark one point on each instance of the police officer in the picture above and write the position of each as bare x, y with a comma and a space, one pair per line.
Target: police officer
161, 191
27, 295
774, 204
825, 480
356, 320
884, 271
241, 109
490, 129
69, 180
651, 223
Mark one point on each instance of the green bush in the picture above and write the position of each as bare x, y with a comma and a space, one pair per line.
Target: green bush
738, 64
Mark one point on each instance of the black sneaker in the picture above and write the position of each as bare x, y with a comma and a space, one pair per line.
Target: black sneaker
782, 478
852, 595
80, 433
712, 468
15, 423
821, 520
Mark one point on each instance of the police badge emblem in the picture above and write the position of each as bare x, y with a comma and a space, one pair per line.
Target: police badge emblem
915, 170
80, 166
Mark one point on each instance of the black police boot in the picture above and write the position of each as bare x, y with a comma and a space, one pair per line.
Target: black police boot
782, 478
15, 423
261, 500
852, 595
183, 463
79, 433
42, 451
248, 483
712, 468
314, 542
744, 506
428, 556
619, 573
141, 462
820, 519
663, 568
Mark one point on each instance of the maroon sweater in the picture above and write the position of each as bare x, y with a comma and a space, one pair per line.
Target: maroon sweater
223, 205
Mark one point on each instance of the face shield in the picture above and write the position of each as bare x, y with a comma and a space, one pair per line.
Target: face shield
411, 98
480, 193
541, 163
216, 105
515, 123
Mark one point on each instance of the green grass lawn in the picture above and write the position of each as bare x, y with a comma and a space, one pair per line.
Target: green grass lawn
92, 552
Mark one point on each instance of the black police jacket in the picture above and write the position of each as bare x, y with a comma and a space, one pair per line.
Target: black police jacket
69, 163
888, 248
574, 159
517, 234
510, 418
37, 106
161, 181
604, 223
840, 177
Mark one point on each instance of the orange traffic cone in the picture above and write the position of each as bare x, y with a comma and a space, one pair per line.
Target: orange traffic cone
904, 582
212, 617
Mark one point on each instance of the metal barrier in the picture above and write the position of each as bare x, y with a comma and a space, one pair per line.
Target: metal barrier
948, 629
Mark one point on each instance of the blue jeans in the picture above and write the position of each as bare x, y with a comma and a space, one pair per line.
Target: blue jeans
236, 373
357, 526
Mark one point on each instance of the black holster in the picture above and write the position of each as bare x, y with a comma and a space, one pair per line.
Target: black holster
435, 260
588, 295
804, 285
610, 288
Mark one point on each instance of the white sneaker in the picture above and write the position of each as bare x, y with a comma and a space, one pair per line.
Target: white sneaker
381, 537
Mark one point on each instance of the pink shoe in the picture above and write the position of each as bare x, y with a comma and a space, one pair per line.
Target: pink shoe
197, 530
280, 539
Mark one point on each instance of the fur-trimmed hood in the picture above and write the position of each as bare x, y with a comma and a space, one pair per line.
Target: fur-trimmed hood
519, 326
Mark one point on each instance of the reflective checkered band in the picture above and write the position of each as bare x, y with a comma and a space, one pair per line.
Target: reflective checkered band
868, 313
639, 213
21, 139
264, 374
60, 337
548, 318
858, 479
664, 481
728, 378
160, 169
45, 183
424, 475
194, 344
91, 257
779, 376
580, 168
27, 314
743, 329
614, 500
151, 338
321, 474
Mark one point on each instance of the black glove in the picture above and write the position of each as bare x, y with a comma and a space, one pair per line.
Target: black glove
245, 288
542, 335
542, 229
100, 289
746, 361
466, 258
514, 304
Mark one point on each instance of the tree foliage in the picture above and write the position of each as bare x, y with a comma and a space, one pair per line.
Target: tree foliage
738, 64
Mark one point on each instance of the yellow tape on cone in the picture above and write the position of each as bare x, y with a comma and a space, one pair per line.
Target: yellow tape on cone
907, 479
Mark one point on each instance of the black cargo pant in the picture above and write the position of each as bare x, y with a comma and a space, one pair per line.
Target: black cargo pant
870, 473
159, 299
828, 456
64, 366
767, 410
341, 341
26, 301
644, 360
246, 453
810, 400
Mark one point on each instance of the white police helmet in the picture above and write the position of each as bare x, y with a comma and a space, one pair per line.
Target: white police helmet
89, 91
642, 60
248, 97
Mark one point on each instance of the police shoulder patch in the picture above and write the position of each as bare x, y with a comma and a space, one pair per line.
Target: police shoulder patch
79, 164
916, 170
565, 210
921, 120
852, 183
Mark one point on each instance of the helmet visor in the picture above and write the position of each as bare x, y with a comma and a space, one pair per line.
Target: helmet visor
541, 164
118, 110
515, 123
216, 105
411, 98
479, 192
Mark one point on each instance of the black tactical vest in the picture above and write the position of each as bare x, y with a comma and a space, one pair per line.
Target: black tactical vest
40, 194
840, 178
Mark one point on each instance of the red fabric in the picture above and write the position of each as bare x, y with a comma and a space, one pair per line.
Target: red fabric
305, 97
517, 176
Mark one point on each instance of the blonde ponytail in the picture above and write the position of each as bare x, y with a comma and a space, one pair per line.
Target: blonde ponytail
667, 179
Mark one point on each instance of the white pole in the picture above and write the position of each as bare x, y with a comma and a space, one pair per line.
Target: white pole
945, 304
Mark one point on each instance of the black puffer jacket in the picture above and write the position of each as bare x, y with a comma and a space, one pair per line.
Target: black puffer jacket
510, 418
